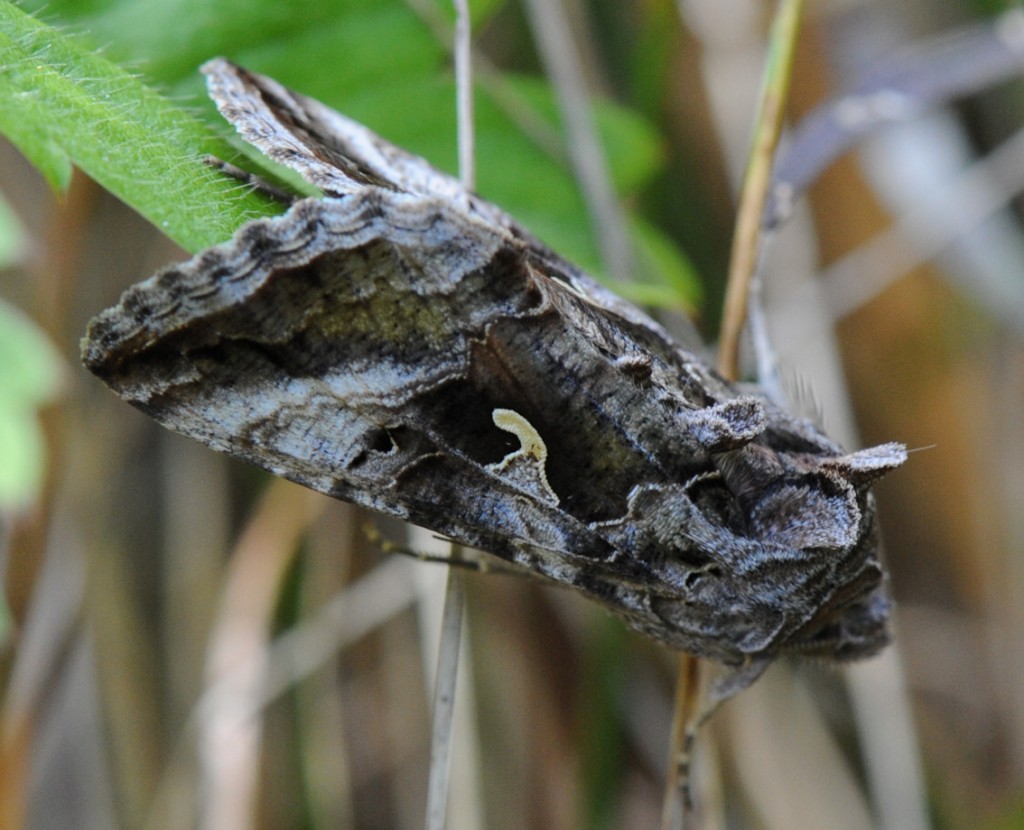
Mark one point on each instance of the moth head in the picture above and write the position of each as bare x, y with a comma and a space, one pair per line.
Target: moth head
822, 506
854, 625
802, 549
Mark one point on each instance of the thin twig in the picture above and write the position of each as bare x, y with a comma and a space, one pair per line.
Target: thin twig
229, 736
284, 663
922, 233
464, 96
455, 591
444, 700
509, 99
896, 88
892, 758
744, 262
553, 36
954, 210
746, 243
678, 800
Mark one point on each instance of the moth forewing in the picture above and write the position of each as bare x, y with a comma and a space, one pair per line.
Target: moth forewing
380, 344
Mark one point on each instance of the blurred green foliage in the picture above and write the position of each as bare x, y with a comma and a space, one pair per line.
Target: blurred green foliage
377, 61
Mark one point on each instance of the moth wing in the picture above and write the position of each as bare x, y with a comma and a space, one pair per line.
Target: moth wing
341, 156
361, 343
327, 345
328, 149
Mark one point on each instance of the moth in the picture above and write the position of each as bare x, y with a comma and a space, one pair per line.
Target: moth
404, 345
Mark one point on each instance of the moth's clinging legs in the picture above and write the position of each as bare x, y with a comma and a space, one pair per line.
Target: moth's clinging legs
269, 190
479, 565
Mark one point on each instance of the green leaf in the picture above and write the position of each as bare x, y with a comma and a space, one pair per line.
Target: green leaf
31, 372
24, 452
632, 148
62, 101
170, 38
374, 60
662, 266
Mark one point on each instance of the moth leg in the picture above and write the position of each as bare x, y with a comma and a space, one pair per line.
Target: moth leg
488, 565
734, 681
272, 191
684, 762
